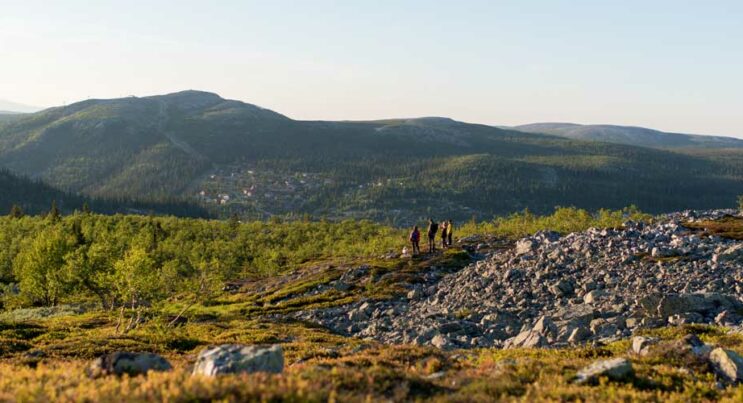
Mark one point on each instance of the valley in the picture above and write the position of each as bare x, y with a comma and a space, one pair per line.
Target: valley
176, 146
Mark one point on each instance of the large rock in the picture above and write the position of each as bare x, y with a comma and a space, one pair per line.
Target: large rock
132, 364
527, 339
674, 304
616, 369
579, 334
235, 358
728, 364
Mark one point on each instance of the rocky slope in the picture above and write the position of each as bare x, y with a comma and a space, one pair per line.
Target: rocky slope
596, 286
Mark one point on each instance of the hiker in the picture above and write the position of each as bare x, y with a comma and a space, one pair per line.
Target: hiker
443, 234
433, 228
449, 230
415, 239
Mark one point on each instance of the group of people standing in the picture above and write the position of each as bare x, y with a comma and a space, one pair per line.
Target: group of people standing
447, 230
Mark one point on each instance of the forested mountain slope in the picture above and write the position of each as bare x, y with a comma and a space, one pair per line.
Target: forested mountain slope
9, 116
237, 157
35, 197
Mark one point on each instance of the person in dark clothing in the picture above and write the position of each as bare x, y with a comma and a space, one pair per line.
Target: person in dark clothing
449, 230
444, 229
415, 239
433, 228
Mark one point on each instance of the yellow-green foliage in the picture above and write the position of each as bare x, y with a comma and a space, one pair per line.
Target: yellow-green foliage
135, 259
563, 220
117, 259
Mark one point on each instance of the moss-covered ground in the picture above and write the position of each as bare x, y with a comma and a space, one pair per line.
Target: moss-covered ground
43, 352
42, 358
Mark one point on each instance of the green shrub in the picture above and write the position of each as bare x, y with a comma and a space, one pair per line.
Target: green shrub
563, 220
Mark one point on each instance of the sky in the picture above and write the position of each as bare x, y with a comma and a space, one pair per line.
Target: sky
670, 65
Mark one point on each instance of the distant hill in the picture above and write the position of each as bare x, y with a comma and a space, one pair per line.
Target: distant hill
14, 107
630, 135
235, 157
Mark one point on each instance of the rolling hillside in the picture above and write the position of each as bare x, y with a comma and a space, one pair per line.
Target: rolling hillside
638, 136
239, 158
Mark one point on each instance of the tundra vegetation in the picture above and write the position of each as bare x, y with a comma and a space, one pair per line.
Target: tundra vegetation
77, 286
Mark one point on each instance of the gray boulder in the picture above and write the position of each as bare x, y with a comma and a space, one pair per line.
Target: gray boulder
132, 364
616, 369
527, 339
236, 358
641, 345
673, 304
728, 364
579, 334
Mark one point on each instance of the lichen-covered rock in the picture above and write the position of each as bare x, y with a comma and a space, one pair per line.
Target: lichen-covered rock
617, 369
236, 358
132, 364
728, 364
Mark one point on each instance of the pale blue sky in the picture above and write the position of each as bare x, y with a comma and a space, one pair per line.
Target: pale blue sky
672, 65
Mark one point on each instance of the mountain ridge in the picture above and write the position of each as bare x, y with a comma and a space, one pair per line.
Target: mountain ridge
630, 135
14, 107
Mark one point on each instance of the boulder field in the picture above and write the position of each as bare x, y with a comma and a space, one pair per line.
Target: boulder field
549, 290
